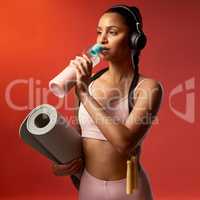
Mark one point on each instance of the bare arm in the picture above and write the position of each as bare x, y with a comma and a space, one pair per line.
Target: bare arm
126, 136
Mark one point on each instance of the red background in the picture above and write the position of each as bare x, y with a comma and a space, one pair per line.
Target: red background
39, 37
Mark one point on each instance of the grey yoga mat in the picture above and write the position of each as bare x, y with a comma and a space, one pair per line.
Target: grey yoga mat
46, 130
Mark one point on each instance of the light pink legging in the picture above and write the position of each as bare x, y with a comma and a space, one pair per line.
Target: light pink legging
92, 188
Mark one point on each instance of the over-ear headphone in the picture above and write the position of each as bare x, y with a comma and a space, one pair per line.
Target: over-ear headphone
138, 39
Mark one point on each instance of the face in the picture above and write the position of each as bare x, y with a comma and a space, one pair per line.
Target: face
113, 34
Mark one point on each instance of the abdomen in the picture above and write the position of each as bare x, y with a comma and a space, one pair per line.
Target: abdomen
102, 160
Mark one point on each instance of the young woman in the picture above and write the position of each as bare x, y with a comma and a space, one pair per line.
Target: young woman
113, 122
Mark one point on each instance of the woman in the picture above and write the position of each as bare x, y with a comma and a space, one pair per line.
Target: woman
111, 131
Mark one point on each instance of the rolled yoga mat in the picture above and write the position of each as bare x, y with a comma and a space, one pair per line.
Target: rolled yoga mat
46, 130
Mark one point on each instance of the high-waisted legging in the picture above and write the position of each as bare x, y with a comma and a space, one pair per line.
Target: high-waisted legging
92, 188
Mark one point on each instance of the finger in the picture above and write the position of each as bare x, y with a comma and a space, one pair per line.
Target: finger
84, 70
76, 170
78, 74
83, 65
63, 169
73, 170
72, 63
87, 59
67, 171
64, 166
68, 168
89, 64
78, 162
76, 63
79, 67
74, 167
82, 60
71, 163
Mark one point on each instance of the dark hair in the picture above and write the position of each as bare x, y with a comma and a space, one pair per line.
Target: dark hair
130, 21
127, 16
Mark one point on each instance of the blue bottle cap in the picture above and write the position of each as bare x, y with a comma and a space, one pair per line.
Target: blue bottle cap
95, 50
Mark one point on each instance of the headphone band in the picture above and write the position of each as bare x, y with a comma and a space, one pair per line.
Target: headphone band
138, 24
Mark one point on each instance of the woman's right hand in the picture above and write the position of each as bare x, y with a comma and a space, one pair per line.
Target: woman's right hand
67, 169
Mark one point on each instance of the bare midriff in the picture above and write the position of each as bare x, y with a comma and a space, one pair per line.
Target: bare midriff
103, 161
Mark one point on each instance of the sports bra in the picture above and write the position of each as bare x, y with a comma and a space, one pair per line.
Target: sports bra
117, 110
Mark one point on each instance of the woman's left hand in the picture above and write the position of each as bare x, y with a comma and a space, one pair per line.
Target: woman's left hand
83, 73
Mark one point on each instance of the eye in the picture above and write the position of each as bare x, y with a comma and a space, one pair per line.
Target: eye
113, 32
98, 32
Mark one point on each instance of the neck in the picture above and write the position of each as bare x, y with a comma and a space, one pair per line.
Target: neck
121, 71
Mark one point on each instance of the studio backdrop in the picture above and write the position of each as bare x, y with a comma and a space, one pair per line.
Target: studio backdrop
37, 40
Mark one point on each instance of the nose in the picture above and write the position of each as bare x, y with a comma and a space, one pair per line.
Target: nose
102, 39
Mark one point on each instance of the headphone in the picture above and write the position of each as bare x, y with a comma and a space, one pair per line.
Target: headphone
138, 39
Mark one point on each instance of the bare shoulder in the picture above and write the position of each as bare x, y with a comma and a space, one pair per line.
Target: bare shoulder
149, 90
146, 83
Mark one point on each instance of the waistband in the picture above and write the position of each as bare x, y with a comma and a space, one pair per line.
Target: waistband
101, 181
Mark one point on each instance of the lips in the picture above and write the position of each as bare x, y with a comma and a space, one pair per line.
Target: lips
104, 51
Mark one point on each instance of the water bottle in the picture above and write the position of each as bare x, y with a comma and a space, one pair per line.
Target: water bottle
64, 81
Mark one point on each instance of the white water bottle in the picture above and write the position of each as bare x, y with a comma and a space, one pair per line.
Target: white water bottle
64, 81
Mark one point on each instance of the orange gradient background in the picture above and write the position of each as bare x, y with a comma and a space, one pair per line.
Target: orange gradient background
37, 40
